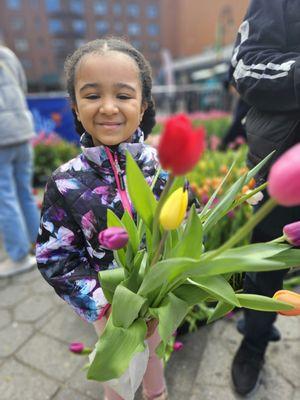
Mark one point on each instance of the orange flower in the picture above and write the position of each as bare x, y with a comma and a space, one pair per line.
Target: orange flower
289, 297
252, 183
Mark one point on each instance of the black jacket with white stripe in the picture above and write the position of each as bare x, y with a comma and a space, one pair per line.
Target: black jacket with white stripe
266, 62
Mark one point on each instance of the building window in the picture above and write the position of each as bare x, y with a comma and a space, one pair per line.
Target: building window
100, 7
118, 27
133, 10
134, 29
152, 11
154, 46
13, 4
21, 44
153, 29
17, 23
26, 63
79, 26
79, 43
117, 9
77, 6
102, 27
55, 26
58, 44
52, 5
137, 44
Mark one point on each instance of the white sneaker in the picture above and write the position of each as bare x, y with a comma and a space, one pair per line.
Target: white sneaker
9, 267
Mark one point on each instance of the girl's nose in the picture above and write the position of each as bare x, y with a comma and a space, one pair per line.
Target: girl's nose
108, 107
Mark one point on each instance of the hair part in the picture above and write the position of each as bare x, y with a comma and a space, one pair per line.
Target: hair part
100, 46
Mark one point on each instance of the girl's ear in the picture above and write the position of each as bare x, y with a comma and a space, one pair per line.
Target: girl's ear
143, 109
74, 106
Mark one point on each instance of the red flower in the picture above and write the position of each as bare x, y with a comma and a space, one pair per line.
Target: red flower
181, 145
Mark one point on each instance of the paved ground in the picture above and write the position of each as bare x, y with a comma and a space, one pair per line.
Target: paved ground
35, 364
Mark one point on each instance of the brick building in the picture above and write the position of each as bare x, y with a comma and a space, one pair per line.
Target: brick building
43, 32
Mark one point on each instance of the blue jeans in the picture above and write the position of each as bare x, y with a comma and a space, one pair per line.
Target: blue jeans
19, 215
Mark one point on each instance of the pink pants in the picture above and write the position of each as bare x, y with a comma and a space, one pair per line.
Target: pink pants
153, 381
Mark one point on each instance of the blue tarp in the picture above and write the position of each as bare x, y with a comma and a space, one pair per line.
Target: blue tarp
52, 114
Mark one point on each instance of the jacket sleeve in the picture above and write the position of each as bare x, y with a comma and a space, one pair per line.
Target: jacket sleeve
266, 74
63, 260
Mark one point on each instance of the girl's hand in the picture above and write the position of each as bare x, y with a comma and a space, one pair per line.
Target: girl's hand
151, 326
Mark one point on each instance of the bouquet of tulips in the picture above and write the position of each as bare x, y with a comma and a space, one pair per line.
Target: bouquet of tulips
163, 268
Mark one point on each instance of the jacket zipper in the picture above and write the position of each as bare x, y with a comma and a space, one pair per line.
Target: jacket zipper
119, 180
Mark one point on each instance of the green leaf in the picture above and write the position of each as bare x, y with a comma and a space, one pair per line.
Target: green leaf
170, 314
289, 257
132, 231
258, 250
255, 170
218, 288
126, 306
220, 310
190, 293
191, 241
224, 204
140, 193
214, 195
115, 349
262, 303
109, 280
182, 268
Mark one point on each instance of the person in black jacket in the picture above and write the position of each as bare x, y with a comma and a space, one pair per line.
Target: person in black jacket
266, 62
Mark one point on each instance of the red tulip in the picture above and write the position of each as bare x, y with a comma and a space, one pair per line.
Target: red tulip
284, 182
180, 145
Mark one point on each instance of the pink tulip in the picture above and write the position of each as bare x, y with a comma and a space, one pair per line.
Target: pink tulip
292, 233
113, 238
76, 347
284, 182
177, 346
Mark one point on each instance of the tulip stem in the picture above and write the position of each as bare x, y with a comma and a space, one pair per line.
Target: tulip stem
264, 210
160, 248
280, 239
162, 199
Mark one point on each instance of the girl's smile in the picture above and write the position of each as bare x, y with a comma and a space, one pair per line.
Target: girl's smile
109, 97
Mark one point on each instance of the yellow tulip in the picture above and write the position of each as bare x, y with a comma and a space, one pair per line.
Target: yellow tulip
174, 209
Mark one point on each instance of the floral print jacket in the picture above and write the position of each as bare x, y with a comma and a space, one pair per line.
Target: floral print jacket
75, 204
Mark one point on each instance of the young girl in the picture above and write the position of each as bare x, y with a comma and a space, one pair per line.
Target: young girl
109, 84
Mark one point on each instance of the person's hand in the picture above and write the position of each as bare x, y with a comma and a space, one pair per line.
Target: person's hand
151, 326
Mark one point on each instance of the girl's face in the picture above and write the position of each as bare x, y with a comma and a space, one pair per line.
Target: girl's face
108, 97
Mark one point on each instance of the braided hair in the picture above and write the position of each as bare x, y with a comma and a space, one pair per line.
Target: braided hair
121, 45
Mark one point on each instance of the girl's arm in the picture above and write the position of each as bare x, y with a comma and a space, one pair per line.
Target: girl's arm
63, 260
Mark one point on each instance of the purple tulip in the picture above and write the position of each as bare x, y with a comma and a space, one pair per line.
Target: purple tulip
113, 238
292, 233
76, 347
177, 346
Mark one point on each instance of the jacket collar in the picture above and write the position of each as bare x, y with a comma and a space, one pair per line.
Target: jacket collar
97, 154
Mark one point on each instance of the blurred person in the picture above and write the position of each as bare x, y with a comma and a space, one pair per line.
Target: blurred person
19, 216
266, 62
240, 108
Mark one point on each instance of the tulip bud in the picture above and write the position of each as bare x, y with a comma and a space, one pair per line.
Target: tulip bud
76, 347
289, 297
284, 182
177, 346
174, 209
113, 238
292, 233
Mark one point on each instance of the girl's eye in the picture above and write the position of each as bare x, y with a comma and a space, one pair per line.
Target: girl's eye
124, 96
92, 96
